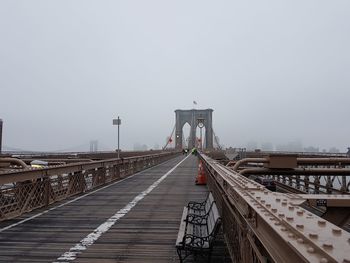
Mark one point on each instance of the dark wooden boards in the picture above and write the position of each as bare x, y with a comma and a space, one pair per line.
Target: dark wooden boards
146, 234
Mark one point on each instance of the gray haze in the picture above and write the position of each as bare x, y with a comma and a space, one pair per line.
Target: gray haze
273, 71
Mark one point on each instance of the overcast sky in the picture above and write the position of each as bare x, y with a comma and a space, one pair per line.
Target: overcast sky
273, 71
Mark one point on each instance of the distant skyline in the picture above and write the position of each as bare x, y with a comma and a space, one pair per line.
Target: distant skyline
296, 146
273, 71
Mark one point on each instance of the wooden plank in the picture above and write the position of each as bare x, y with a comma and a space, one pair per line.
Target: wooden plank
182, 227
146, 234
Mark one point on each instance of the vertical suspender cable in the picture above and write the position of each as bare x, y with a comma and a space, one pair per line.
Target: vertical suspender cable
168, 141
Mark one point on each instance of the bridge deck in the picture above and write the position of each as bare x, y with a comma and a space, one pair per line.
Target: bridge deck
95, 229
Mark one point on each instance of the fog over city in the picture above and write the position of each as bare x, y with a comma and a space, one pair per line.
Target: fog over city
276, 73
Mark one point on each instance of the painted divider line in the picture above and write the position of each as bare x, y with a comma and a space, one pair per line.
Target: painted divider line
76, 199
91, 238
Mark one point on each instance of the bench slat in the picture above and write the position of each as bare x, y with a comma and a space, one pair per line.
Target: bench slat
209, 202
182, 228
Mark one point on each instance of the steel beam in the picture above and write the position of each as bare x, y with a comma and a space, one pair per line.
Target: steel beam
275, 222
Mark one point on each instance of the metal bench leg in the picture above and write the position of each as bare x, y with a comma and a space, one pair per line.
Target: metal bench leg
180, 255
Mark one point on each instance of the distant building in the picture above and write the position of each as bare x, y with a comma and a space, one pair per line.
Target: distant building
140, 147
311, 149
295, 146
334, 150
93, 145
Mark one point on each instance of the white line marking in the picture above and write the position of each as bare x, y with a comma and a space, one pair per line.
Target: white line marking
76, 199
104, 227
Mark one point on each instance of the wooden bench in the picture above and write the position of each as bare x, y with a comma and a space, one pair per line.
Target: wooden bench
198, 228
198, 212
200, 208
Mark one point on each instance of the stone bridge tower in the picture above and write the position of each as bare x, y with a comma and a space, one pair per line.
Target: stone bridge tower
193, 118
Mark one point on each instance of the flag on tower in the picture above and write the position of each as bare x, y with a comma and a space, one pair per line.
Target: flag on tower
194, 102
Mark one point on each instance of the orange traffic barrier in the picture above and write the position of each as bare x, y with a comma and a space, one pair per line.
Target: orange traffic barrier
201, 178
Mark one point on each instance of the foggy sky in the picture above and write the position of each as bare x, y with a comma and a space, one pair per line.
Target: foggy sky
273, 71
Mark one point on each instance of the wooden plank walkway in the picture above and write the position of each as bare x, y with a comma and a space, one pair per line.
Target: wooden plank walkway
146, 233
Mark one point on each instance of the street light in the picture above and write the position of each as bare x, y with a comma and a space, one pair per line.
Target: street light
117, 122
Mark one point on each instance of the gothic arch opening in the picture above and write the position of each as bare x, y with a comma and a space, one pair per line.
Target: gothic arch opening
201, 143
186, 132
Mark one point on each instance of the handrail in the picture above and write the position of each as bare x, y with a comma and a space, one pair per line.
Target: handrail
24, 190
30, 173
300, 161
262, 224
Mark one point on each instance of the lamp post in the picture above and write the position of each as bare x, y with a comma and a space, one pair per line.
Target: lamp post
117, 122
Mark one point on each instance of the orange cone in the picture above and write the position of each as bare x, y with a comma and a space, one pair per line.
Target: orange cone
201, 178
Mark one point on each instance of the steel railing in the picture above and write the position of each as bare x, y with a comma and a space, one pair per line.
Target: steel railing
23, 190
264, 226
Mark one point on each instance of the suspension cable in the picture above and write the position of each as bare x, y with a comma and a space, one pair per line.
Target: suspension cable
216, 140
169, 140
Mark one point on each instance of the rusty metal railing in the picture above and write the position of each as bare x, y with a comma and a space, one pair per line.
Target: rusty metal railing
316, 184
264, 226
23, 190
310, 175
